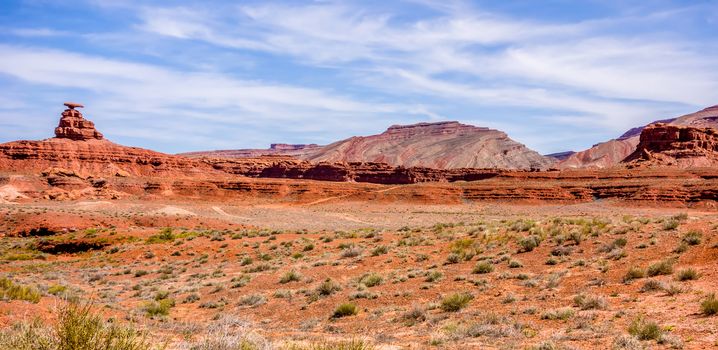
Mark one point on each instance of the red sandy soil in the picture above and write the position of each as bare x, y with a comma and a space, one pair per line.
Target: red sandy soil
212, 239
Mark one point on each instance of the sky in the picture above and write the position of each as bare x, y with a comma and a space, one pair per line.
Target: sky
178, 76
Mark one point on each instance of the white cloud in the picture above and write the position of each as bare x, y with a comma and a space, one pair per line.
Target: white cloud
577, 67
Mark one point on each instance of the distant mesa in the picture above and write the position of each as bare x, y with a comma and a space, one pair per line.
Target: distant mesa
439, 145
74, 126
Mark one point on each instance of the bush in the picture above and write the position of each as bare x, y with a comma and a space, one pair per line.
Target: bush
12, 291
633, 274
626, 342
253, 300
590, 302
670, 224
77, 327
328, 287
415, 315
558, 314
709, 306
483, 267
371, 280
345, 309
529, 243
290, 276
456, 302
644, 329
453, 258
434, 276
158, 307
380, 250
664, 267
687, 275
652, 286
351, 252
693, 238
165, 235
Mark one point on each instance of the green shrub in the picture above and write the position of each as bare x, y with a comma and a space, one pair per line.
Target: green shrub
687, 275
527, 244
290, 276
453, 258
693, 238
670, 224
644, 329
12, 291
633, 274
434, 276
371, 280
57, 289
158, 307
165, 235
664, 267
77, 328
328, 287
709, 306
456, 302
380, 250
558, 314
483, 267
345, 309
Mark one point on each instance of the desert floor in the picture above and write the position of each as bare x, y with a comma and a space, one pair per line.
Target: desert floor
477, 275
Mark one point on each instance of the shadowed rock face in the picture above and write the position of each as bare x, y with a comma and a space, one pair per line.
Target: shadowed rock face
672, 145
74, 127
444, 145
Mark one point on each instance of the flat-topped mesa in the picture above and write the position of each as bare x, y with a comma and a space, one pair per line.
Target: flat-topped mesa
74, 126
446, 127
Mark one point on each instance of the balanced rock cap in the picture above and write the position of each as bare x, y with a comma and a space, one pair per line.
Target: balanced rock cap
73, 105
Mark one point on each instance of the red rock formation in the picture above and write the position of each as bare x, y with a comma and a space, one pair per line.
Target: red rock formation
612, 152
74, 127
80, 148
444, 145
672, 145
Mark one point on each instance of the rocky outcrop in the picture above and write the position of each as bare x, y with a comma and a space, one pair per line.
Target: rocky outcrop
78, 147
443, 145
611, 153
74, 126
672, 145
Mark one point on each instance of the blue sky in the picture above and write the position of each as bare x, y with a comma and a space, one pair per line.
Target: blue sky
194, 75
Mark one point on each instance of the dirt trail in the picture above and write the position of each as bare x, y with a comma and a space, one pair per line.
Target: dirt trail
347, 195
219, 211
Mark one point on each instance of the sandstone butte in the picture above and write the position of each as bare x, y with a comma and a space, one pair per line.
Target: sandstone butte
442, 145
613, 152
79, 163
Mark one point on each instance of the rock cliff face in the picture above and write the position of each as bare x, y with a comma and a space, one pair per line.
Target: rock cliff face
444, 145
672, 145
612, 152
